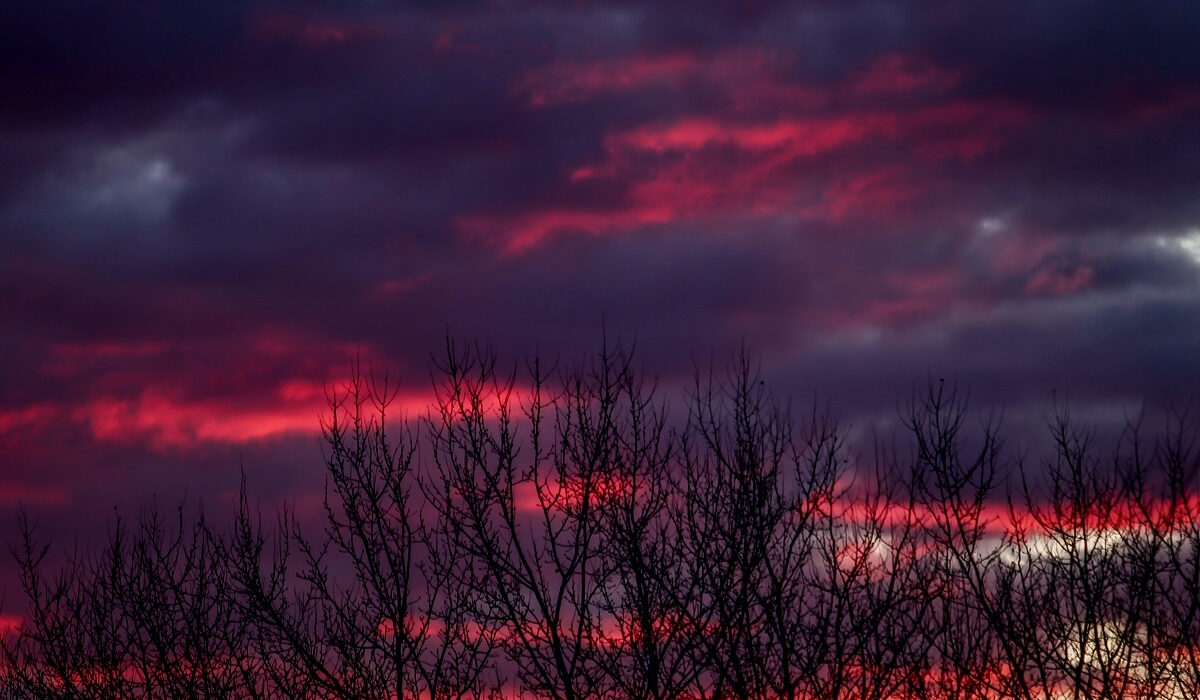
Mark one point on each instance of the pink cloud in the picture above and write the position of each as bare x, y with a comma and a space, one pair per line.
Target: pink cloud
1017, 254
734, 162
962, 129
890, 299
568, 493
1054, 280
12, 493
572, 81
15, 419
170, 423
670, 189
310, 32
750, 78
72, 359
795, 137
874, 193
10, 624
524, 231
1165, 105
167, 422
897, 72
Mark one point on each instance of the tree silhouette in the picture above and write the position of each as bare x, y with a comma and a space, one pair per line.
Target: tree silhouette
145, 615
398, 622
559, 532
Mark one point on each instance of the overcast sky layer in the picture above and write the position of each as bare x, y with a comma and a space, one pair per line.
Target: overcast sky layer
208, 209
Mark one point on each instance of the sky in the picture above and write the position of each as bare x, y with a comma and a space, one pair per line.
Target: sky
208, 210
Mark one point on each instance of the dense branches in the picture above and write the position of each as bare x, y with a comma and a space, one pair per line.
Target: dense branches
560, 533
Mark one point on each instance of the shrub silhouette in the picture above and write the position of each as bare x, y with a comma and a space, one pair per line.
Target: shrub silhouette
558, 533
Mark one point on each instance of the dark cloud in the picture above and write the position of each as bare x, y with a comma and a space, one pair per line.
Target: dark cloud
208, 209
118, 64
1101, 60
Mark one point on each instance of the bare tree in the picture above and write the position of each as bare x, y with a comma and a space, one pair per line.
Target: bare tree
539, 487
379, 606
557, 532
145, 615
805, 556
1160, 543
753, 502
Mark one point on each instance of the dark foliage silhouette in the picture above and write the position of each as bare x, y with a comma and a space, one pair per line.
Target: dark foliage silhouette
560, 532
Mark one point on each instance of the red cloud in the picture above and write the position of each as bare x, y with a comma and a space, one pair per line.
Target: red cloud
750, 78
761, 152
1055, 280
166, 422
312, 33
572, 81
12, 494
795, 137
902, 73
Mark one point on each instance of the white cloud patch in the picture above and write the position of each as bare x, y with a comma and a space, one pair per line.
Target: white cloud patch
990, 226
143, 183
116, 196
1186, 244
1190, 244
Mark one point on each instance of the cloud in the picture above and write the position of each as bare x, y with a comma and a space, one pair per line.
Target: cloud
209, 209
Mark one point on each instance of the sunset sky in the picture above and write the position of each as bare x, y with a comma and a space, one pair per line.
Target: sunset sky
208, 209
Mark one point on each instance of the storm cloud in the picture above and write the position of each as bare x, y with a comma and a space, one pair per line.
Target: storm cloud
209, 210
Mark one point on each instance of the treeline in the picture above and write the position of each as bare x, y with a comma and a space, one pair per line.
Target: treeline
559, 533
